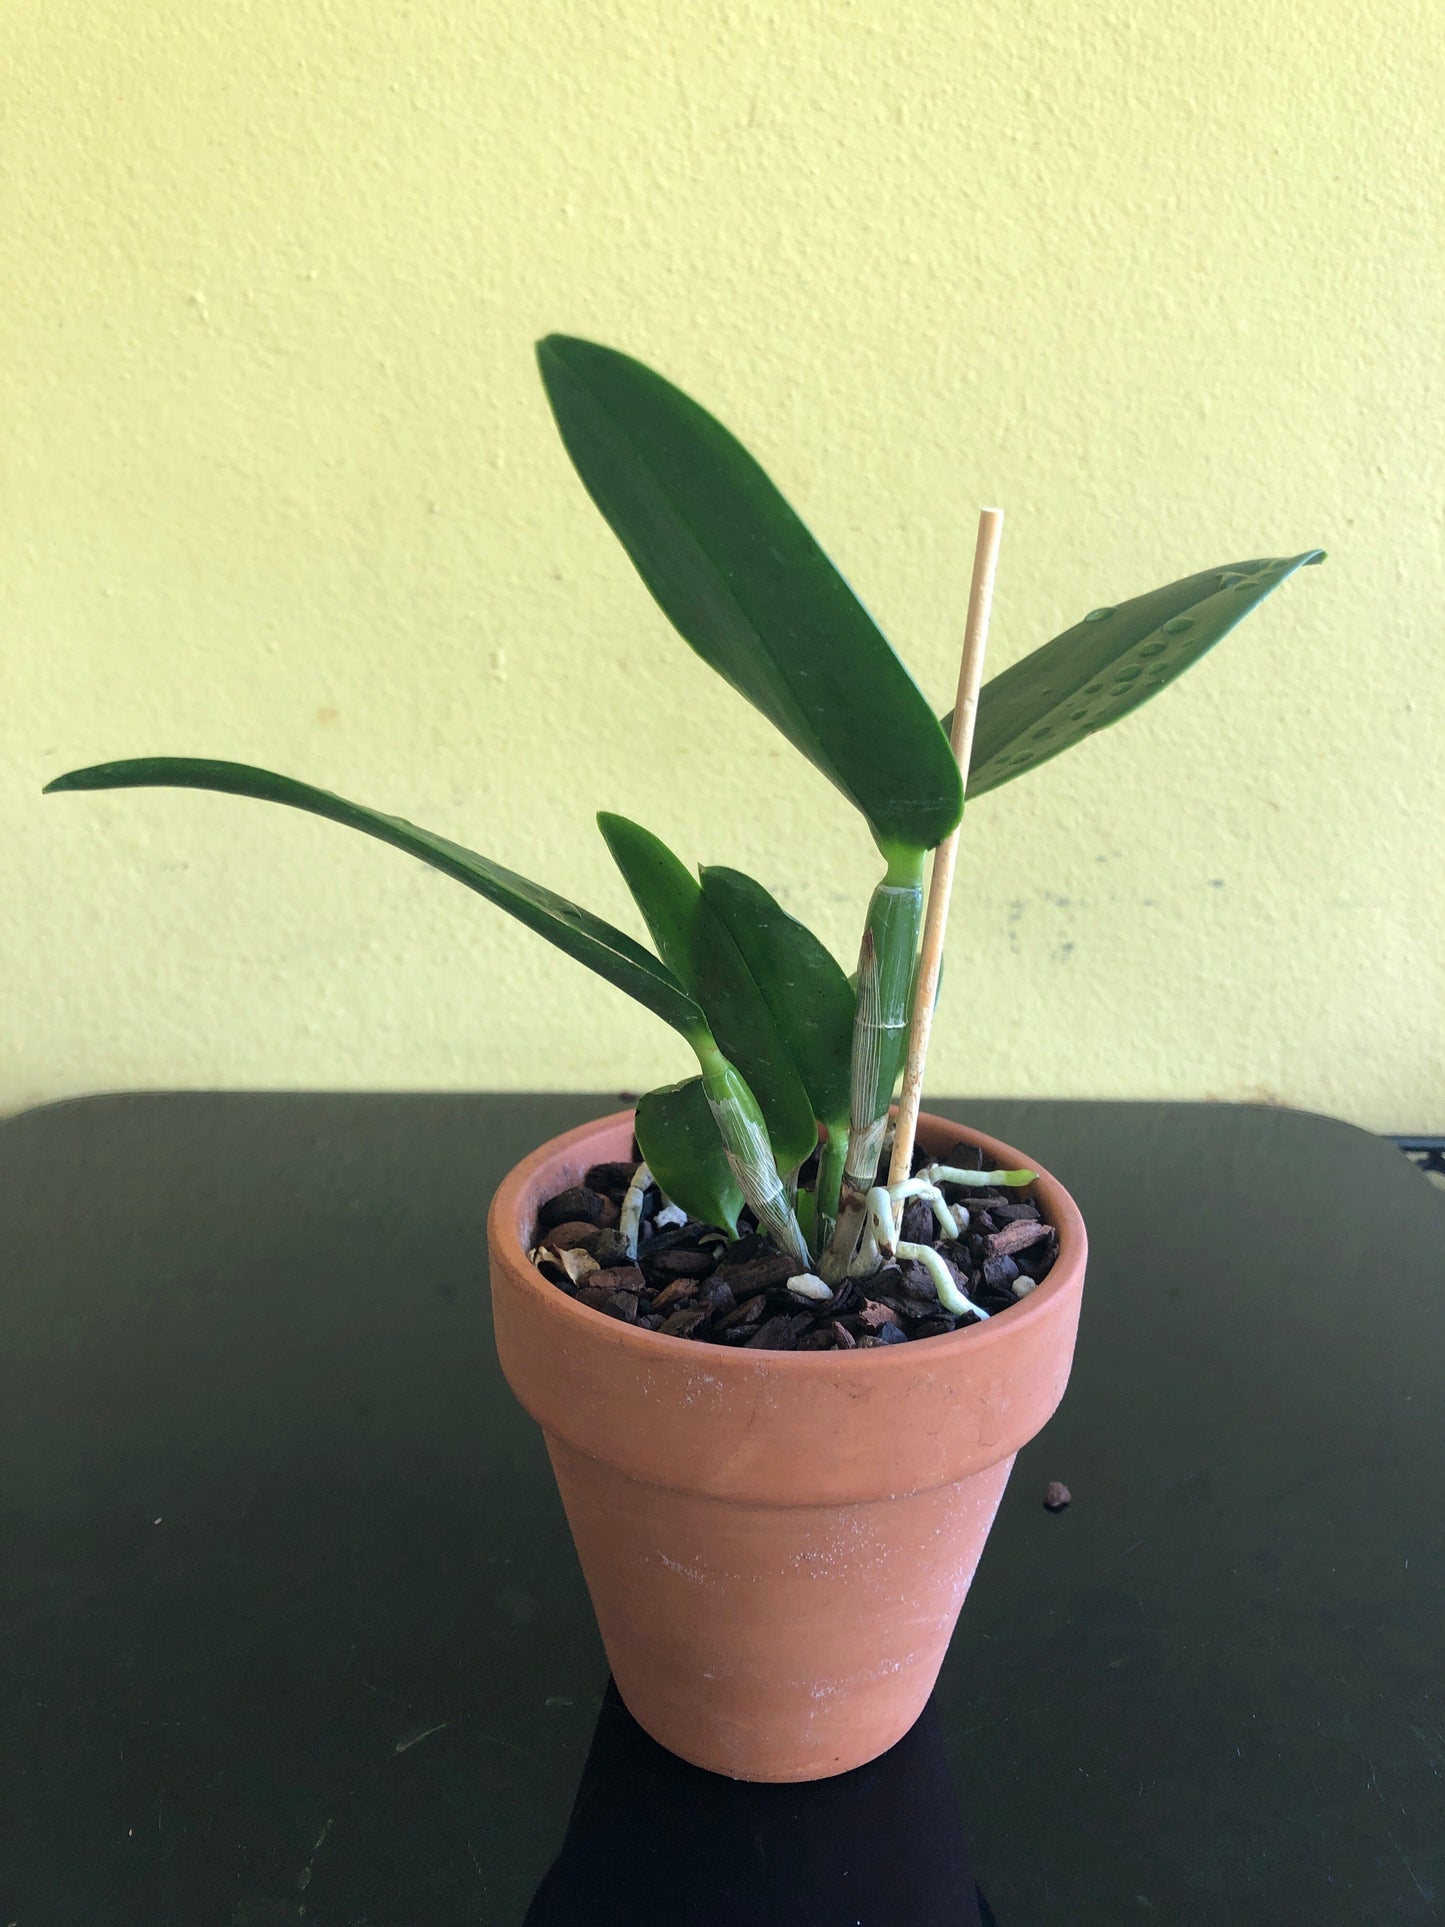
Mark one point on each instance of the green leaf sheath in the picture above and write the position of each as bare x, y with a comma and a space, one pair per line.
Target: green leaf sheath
891, 939
801, 981
751, 1155
685, 1153
592, 941
695, 945
747, 586
1110, 663
880, 1043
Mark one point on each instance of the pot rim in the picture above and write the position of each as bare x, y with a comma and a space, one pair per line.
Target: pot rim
518, 1192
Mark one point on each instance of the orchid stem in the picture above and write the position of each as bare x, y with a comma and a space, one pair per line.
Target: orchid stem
831, 1159
880, 1037
750, 1153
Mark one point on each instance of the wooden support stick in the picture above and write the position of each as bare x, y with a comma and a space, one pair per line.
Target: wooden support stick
940, 886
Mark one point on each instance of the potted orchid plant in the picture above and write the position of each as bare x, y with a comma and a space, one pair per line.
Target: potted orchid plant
782, 1357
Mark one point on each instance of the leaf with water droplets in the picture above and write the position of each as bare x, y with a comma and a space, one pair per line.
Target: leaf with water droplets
1110, 663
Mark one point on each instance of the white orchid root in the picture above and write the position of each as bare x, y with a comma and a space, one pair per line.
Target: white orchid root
882, 1215
867, 1258
885, 1212
924, 1187
949, 1295
881, 1241
951, 1174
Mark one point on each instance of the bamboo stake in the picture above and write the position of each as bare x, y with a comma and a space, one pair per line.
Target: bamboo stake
940, 886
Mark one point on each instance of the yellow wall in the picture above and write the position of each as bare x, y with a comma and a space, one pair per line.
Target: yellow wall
280, 485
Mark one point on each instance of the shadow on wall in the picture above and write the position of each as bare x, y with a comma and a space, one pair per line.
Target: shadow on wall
654, 1839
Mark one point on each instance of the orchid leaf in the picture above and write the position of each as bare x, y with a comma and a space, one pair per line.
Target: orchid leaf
1110, 663
679, 1139
801, 981
609, 951
694, 943
745, 583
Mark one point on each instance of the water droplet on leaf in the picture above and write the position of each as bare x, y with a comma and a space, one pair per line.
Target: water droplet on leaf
1098, 615
1177, 625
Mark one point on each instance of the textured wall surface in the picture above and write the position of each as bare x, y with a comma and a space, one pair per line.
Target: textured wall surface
280, 486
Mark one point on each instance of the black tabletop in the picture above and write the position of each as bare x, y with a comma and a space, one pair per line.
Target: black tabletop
293, 1630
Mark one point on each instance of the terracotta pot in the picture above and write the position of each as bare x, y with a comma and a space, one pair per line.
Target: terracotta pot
777, 1544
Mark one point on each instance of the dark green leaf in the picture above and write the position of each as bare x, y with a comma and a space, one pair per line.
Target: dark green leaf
744, 583
608, 951
802, 984
679, 1139
1108, 664
694, 944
